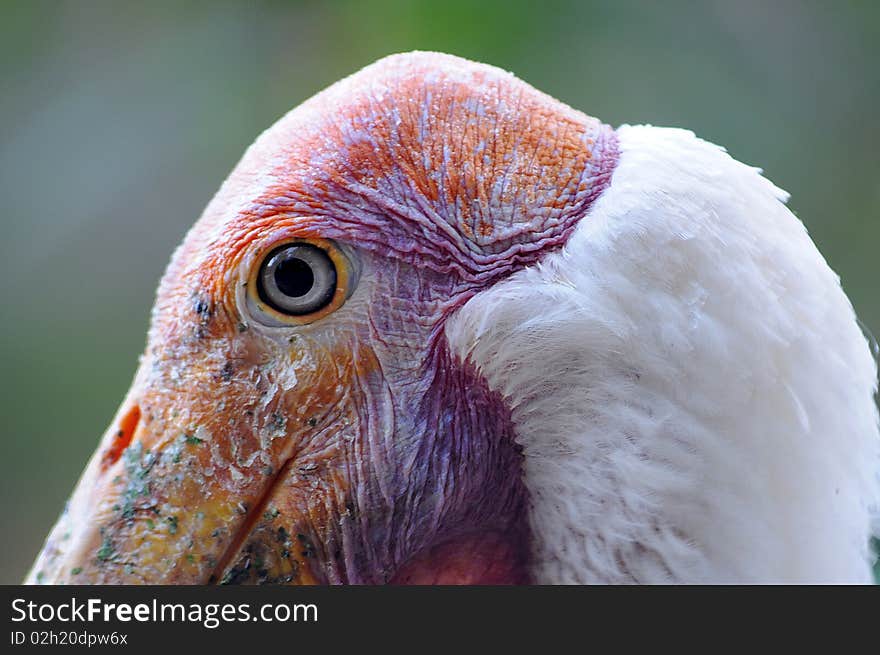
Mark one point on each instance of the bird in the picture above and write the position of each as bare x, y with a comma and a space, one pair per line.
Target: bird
438, 327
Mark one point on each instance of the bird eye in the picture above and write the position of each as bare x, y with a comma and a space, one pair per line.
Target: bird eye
299, 282
297, 279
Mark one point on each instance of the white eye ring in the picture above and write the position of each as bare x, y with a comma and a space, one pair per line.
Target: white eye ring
297, 279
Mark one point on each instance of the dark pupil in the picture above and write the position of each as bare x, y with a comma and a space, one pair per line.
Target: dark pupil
294, 277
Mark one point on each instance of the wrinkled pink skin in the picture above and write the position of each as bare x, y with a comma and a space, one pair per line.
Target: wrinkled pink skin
386, 460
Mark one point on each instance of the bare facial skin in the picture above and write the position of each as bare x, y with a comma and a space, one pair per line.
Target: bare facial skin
346, 444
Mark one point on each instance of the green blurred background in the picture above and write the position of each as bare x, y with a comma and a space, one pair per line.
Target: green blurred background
118, 121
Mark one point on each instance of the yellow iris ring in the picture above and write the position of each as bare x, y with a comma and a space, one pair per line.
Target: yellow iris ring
344, 276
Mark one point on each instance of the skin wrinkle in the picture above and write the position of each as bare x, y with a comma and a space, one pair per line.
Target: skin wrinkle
387, 446
347, 183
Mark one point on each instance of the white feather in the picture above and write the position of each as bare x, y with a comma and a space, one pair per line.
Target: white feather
688, 381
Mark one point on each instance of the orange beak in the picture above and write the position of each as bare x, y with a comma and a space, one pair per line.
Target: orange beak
193, 468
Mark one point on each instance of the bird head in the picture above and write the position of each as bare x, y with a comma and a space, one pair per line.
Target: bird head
438, 327
298, 415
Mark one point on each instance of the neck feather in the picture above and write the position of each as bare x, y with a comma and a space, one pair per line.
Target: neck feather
688, 381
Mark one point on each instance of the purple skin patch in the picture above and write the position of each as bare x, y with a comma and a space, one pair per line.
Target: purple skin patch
389, 460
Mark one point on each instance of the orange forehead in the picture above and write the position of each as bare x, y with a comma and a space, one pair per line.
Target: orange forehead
454, 165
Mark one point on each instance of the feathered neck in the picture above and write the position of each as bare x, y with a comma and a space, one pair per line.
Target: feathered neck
688, 381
